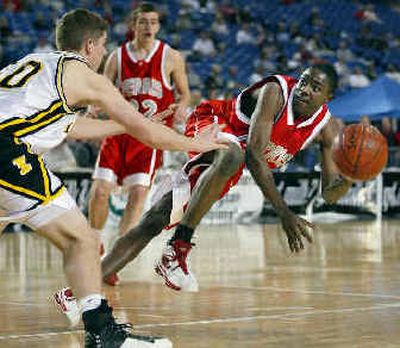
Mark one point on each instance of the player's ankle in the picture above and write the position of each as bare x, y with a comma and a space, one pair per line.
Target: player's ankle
184, 233
96, 319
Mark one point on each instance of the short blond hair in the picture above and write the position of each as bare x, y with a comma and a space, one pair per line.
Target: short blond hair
76, 26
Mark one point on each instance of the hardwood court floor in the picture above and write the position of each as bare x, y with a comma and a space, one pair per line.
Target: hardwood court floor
343, 291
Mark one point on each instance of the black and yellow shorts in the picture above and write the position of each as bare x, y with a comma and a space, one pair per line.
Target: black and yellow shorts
26, 185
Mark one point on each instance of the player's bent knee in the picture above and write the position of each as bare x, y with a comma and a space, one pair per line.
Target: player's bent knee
230, 160
158, 217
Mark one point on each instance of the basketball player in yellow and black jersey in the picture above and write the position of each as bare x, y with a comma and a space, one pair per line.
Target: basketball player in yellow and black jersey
38, 95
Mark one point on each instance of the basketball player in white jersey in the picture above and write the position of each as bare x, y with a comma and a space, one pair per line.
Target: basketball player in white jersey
38, 97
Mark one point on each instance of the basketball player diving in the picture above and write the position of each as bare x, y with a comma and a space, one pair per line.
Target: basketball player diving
266, 125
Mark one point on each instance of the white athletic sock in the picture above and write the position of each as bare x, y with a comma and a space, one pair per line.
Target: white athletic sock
90, 302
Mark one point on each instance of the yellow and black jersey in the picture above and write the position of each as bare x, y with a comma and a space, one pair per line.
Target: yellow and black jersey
34, 117
32, 104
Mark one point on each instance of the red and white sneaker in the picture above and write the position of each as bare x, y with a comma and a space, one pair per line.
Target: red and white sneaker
173, 267
67, 304
112, 279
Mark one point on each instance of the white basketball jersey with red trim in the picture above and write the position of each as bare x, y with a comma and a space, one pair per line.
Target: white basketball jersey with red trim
144, 82
289, 135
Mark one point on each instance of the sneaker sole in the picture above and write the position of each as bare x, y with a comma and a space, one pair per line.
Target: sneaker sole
140, 342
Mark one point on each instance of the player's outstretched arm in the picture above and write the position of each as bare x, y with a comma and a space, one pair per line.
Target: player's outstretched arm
88, 128
82, 86
269, 104
334, 186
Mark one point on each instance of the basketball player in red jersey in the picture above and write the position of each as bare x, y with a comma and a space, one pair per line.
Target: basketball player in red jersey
146, 70
267, 124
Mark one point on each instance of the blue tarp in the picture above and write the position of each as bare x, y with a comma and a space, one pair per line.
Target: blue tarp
381, 98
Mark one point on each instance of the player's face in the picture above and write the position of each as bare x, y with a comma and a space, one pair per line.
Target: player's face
147, 26
311, 92
98, 51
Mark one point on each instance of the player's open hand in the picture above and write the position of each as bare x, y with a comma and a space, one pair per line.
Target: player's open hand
209, 134
296, 228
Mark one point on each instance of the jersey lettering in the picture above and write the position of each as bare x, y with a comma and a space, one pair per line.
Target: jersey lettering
20, 163
135, 86
21, 75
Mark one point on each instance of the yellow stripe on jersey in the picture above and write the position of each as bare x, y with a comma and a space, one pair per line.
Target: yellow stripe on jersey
44, 113
56, 194
59, 86
43, 199
12, 123
45, 176
22, 190
34, 119
34, 127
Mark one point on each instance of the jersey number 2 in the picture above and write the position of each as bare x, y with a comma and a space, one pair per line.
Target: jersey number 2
149, 104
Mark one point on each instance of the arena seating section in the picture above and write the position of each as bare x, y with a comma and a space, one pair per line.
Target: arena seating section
338, 16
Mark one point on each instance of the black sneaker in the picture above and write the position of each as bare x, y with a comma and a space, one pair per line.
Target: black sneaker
103, 332
120, 336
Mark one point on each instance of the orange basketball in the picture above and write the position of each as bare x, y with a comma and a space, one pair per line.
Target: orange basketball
360, 152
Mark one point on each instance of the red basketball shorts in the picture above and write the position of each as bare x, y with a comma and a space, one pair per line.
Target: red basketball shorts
207, 113
126, 161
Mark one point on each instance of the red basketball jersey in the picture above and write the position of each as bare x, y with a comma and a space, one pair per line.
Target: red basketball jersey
288, 136
144, 82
